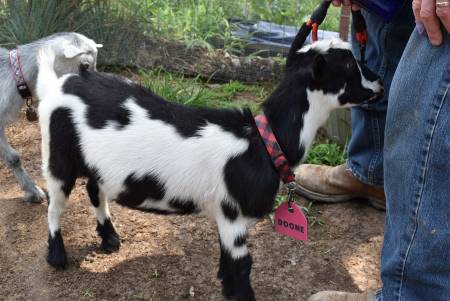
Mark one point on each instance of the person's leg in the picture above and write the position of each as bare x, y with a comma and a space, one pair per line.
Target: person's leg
362, 176
415, 260
365, 149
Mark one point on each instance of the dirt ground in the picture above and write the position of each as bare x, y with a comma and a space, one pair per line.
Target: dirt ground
172, 257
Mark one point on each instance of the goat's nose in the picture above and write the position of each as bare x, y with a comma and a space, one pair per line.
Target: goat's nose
85, 66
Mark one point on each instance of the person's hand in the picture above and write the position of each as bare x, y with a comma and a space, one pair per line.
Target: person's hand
431, 15
346, 3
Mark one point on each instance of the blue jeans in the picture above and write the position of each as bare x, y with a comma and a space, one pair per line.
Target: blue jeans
384, 50
415, 260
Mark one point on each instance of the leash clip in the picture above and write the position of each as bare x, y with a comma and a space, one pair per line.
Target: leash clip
30, 113
291, 189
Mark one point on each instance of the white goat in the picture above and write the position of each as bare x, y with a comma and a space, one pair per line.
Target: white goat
72, 50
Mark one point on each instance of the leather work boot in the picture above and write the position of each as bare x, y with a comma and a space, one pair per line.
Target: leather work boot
335, 184
341, 296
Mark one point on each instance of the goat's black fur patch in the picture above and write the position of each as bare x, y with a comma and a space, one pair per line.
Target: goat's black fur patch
105, 95
183, 206
240, 240
225, 273
140, 189
229, 211
93, 191
252, 180
66, 162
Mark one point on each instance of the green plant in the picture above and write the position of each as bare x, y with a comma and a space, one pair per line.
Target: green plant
115, 24
233, 87
327, 154
24, 21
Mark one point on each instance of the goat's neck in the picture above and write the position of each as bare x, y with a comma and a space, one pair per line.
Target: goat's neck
28, 61
295, 123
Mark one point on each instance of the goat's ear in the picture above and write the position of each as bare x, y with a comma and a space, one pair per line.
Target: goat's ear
99, 45
71, 51
319, 66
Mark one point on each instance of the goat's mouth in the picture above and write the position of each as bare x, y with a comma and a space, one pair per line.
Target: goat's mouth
376, 97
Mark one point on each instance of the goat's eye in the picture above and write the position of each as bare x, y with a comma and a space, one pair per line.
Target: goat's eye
348, 65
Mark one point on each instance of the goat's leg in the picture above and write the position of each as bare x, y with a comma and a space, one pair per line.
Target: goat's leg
235, 262
32, 192
105, 229
56, 256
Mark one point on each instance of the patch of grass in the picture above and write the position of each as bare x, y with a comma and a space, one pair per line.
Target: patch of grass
196, 92
312, 214
234, 87
331, 154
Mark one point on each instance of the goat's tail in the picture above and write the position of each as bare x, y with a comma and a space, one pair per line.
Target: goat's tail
47, 77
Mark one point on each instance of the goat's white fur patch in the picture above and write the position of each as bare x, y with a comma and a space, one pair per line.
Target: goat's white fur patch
320, 106
375, 86
323, 46
162, 152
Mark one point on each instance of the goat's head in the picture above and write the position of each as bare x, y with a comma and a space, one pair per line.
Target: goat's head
329, 68
74, 51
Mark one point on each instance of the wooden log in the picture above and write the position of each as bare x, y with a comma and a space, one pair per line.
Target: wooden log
216, 65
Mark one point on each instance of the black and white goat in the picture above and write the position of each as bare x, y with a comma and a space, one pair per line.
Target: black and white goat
72, 50
150, 154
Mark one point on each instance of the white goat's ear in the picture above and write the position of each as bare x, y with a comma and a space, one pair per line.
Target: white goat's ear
71, 51
99, 45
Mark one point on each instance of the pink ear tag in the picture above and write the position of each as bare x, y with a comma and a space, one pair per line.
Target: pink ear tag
293, 224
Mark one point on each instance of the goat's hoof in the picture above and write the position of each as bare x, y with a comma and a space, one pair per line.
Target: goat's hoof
228, 292
37, 196
56, 256
57, 259
110, 244
58, 263
247, 296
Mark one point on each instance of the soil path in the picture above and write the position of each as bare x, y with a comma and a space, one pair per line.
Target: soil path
172, 257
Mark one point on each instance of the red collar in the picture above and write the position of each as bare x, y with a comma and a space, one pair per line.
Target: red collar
273, 148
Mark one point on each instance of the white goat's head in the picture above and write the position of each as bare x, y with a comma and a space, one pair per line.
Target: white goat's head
74, 51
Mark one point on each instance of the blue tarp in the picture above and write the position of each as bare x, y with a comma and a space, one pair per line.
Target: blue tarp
263, 36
